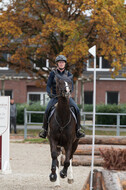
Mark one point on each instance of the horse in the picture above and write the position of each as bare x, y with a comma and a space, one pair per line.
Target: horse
62, 131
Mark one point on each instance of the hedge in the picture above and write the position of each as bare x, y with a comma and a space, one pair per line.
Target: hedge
100, 119
32, 107
110, 108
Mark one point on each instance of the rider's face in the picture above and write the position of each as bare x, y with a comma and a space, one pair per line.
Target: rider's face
61, 64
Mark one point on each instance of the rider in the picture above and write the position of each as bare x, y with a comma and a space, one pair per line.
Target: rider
51, 85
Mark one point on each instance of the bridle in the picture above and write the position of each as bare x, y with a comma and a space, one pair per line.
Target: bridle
66, 95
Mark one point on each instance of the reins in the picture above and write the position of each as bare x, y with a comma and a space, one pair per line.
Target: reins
56, 96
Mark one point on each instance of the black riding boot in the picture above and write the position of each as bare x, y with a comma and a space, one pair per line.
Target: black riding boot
79, 134
44, 131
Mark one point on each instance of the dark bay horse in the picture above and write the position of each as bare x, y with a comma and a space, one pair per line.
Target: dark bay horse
62, 129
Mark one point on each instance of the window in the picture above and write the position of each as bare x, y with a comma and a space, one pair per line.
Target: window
34, 97
101, 64
7, 93
41, 63
37, 96
88, 97
4, 58
112, 97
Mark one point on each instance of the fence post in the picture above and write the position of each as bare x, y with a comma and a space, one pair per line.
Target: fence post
84, 120
118, 125
30, 117
25, 124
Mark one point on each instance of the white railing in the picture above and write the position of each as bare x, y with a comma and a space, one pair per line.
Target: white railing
117, 125
28, 120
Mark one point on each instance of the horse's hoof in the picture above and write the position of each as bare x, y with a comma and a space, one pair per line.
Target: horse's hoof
53, 177
70, 181
57, 187
62, 174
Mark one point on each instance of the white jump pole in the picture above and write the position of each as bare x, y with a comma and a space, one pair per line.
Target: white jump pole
93, 52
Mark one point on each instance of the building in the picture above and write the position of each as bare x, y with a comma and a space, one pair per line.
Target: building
21, 87
108, 90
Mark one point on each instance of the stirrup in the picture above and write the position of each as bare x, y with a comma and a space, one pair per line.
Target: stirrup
43, 133
80, 134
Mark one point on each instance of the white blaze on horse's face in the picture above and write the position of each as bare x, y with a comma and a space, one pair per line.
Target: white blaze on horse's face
67, 87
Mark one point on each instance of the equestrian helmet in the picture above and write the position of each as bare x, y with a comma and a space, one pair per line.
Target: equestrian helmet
61, 58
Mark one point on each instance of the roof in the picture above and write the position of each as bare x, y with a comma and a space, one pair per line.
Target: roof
105, 75
100, 74
7, 73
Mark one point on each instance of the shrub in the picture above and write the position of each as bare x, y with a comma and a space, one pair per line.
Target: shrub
110, 108
33, 107
36, 107
106, 119
20, 113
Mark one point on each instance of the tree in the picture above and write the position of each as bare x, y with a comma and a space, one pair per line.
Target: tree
32, 30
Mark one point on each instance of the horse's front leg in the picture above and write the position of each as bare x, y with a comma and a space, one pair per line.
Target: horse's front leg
63, 172
54, 154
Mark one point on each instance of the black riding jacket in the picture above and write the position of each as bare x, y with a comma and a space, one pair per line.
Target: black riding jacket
51, 83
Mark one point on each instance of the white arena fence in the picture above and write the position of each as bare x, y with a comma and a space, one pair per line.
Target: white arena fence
84, 122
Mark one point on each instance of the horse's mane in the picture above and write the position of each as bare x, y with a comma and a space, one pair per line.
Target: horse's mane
65, 78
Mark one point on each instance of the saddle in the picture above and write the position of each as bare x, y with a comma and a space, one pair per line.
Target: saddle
52, 110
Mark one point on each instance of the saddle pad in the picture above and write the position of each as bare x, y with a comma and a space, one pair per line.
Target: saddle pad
74, 116
51, 113
53, 110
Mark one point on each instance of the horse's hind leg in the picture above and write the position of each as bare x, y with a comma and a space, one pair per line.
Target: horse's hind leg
57, 182
70, 173
63, 172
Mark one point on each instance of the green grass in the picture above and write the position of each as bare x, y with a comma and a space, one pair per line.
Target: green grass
34, 133
34, 138
39, 140
30, 132
106, 133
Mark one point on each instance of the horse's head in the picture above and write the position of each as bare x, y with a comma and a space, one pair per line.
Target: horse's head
63, 86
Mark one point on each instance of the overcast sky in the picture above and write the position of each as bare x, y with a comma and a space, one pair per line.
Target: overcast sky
7, 1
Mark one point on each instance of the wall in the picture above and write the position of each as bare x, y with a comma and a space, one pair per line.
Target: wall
20, 88
103, 86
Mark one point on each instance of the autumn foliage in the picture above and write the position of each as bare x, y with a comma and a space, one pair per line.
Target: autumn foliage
32, 31
114, 159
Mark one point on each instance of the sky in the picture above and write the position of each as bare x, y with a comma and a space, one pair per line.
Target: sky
7, 1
